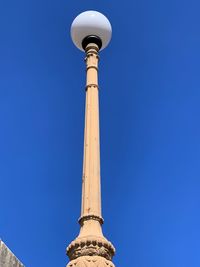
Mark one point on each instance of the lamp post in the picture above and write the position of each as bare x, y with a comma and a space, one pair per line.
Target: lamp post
91, 32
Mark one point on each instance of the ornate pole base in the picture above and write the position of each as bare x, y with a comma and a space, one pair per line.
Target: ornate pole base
90, 261
90, 246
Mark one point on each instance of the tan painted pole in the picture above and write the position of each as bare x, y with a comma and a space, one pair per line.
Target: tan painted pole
91, 192
91, 248
91, 219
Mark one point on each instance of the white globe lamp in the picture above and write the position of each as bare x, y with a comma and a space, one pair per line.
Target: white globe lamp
91, 27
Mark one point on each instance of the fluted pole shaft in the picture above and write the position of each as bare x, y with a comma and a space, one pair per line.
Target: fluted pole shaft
91, 191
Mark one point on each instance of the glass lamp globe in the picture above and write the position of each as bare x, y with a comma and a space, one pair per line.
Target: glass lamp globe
91, 23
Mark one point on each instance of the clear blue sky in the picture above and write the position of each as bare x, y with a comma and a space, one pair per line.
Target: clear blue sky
150, 130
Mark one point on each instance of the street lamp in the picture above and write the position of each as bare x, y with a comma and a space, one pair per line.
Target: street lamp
91, 32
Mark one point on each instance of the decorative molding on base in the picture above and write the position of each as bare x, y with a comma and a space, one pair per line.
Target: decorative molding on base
90, 261
91, 246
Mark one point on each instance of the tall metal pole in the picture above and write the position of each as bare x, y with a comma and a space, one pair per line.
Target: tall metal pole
91, 246
91, 192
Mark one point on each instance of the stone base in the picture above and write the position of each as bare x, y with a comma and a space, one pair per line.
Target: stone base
90, 261
7, 258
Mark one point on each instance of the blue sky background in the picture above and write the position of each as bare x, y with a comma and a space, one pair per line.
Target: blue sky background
150, 130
